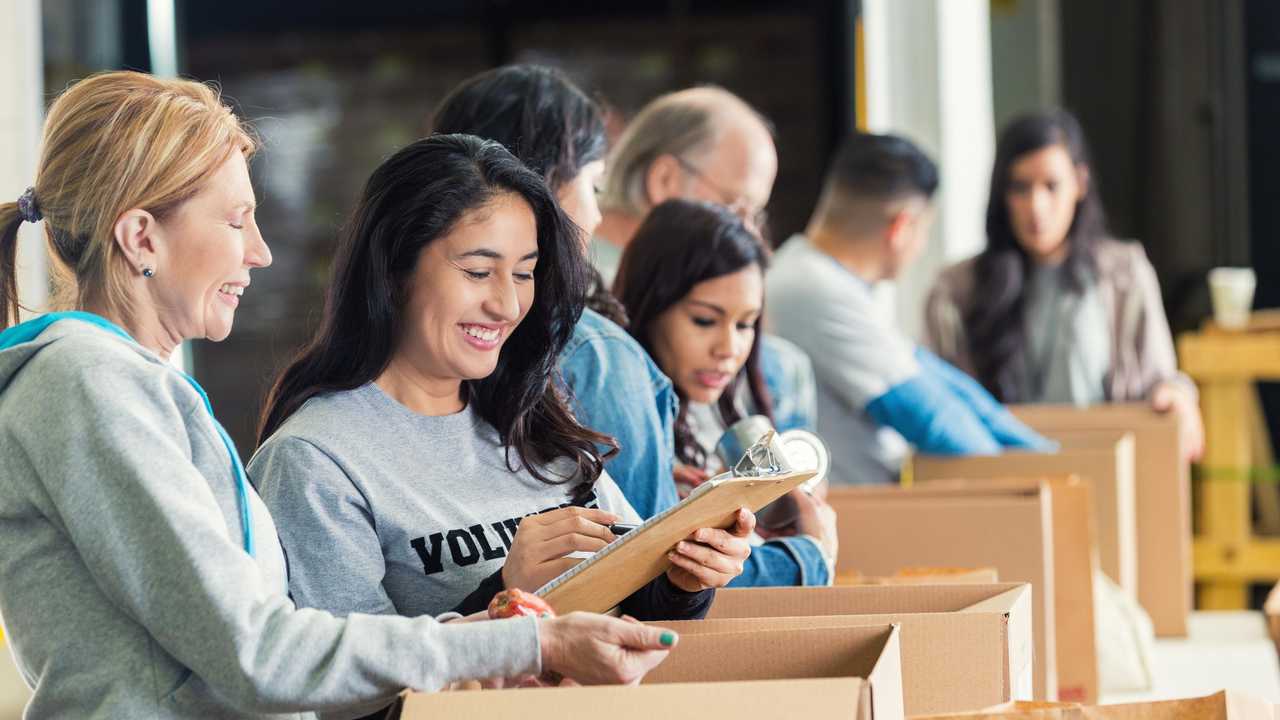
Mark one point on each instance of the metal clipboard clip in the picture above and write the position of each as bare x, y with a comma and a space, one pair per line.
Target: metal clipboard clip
764, 458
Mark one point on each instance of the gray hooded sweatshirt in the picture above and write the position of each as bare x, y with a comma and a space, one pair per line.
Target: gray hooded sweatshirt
124, 586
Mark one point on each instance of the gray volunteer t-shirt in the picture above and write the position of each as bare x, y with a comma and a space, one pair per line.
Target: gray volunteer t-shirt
383, 510
1067, 354
857, 356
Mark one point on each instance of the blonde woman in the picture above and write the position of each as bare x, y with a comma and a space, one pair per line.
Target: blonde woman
140, 575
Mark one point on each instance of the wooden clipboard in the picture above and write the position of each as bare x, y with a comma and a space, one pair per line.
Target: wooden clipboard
603, 580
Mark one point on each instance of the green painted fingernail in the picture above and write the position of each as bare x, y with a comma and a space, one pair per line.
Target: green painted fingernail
668, 639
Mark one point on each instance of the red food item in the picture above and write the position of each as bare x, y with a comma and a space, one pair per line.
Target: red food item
518, 603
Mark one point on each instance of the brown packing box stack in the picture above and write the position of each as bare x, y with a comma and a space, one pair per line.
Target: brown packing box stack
1225, 705
1105, 458
1162, 492
1011, 525
964, 647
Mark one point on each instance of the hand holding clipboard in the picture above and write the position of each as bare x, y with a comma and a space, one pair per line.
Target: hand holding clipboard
600, 582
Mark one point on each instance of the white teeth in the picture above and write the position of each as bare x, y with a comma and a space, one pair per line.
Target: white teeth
484, 334
232, 290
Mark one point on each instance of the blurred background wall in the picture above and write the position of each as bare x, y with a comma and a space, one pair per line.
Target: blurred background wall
1177, 96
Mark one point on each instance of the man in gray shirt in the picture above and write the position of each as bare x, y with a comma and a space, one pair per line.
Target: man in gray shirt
878, 391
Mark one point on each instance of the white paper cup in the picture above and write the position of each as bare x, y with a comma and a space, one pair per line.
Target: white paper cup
1231, 292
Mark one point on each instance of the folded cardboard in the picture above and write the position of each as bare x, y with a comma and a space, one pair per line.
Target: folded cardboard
923, 576
1162, 492
1010, 524
963, 646
812, 698
1105, 458
1225, 705
771, 649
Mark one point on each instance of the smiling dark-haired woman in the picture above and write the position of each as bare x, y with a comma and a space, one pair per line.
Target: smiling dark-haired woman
420, 428
615, 387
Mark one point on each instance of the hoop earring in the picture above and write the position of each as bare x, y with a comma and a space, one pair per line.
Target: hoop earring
148, 272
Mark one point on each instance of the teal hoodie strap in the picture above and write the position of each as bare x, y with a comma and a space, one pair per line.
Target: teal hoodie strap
31, 329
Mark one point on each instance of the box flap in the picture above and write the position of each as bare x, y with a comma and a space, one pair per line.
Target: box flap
810, 698
1006, 601
858, 599
886, 679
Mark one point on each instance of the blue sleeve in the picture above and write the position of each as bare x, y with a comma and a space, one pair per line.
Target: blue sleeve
1008, 430
784, 562
789, 376
616, 392
933, 419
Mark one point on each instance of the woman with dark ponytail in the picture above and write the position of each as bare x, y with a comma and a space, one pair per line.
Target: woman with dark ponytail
692, 281
1055, 310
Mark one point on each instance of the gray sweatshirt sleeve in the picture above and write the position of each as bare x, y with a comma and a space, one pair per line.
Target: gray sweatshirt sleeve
113, 445
326, 526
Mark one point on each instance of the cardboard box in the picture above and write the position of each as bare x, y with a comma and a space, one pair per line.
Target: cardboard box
964, 647
1162, 492
923, 576
884, 528
1074, 562
757, 649
812, 698
1226, 705
1105, 458
1013, 525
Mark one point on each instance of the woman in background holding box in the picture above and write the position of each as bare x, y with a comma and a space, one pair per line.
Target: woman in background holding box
140, 574
692, 281
1055, 310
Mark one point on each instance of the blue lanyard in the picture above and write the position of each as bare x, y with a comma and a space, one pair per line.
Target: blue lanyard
29, 330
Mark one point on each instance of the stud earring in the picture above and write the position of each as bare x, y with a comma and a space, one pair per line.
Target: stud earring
148, 272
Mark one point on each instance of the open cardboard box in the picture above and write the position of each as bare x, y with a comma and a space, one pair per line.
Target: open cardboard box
810, 698
1039, 532
1104, 457
963, 646
1225, 705
719, 669
776, 649
1162, 492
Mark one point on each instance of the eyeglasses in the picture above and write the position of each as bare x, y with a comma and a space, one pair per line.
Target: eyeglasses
738, 205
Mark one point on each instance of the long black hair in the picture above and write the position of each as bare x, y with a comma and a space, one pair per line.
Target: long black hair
543, 119
682, 243
994, 322
417, 196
